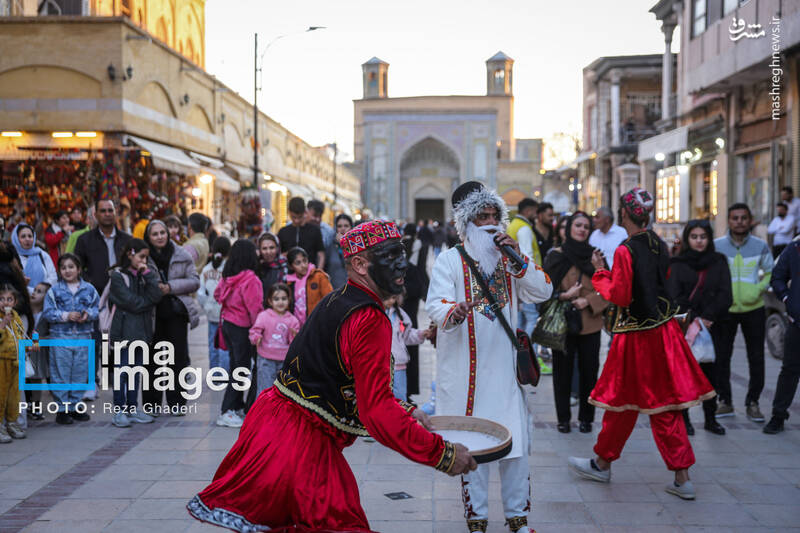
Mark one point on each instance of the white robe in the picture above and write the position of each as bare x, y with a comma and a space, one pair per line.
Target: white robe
496, 395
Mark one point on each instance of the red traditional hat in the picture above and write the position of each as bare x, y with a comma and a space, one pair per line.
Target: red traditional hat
367, 235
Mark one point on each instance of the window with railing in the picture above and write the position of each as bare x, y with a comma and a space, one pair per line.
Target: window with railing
63, 7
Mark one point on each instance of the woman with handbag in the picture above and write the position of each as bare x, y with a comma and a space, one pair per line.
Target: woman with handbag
175, 312
570, 268
699, 281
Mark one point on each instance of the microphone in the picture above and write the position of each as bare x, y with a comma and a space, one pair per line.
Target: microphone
512, 254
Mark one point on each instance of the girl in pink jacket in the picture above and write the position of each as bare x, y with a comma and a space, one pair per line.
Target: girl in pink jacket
239, 292
273, 332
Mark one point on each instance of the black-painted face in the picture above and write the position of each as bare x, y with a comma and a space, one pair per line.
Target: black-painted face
388, 267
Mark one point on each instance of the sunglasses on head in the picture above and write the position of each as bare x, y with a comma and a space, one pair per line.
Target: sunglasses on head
699, 223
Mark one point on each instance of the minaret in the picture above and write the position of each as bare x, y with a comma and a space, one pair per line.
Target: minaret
376, 79
499, 75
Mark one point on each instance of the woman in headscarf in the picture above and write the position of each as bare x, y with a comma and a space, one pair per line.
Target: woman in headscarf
36, 263
570, 269
272, 266
175, 312
699, 281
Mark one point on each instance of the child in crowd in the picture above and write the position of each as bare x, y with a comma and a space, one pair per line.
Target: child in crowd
11, 331
273, 332
39, 358
209, 279
310, 284
71, 308
37, 301
175, 229
403, 334
133, 293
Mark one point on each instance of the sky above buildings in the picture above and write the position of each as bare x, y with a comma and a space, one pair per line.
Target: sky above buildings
432, 46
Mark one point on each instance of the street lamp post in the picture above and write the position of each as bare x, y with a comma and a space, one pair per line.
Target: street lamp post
256, 88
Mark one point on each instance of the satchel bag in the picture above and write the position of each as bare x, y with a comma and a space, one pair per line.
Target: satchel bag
551, 328
528, 370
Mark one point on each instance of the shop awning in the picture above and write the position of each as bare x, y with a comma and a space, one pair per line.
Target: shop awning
223, 180
214, 166
245, 173
295, 189
167, 157
666, 143
206, 160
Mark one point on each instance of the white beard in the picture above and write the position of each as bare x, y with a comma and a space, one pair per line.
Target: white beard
479, 244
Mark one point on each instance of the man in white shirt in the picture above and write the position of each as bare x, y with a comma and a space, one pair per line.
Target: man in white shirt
781, 229
792, 204
608, 236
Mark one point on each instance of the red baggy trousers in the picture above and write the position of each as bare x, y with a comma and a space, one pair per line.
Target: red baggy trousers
669, 432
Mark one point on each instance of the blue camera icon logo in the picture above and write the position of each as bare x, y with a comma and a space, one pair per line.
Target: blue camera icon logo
88, 344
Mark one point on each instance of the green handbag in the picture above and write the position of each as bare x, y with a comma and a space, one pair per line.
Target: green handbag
551, 328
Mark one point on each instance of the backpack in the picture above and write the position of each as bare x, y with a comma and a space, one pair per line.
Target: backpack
106, 314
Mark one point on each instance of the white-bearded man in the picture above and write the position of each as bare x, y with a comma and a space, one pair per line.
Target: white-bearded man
476, 360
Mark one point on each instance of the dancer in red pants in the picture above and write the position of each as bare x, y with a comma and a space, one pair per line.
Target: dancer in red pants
650, 369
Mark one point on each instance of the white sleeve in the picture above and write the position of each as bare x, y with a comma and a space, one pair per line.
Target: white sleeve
525, 239
50, 275
773, 225
441, 300
533, 286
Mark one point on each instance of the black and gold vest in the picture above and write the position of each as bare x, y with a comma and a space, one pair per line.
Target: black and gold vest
314, 375
650, 304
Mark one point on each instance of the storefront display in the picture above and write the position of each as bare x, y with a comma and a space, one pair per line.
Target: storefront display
753, 173
60, 178
704, 190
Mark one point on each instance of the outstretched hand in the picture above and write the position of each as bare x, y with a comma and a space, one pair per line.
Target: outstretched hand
598, 260
422, 417
461, 311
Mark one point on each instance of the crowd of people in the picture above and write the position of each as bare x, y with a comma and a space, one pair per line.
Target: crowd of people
593, 272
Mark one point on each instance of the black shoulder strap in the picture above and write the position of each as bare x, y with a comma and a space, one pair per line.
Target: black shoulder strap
492, 302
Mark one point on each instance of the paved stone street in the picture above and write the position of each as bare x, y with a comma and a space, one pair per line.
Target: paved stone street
95, 477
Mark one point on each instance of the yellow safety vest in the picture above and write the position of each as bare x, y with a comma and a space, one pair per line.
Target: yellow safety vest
513, 229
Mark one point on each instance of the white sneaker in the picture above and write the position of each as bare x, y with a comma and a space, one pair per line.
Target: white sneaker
140, 417
240, 413
684, 492
5, 438
15, 431
583, 467
121, 420
229, 419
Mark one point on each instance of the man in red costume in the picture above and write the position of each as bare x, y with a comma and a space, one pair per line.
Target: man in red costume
286, 471
650, 369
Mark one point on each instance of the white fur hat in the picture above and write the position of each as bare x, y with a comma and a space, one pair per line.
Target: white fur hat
469, 199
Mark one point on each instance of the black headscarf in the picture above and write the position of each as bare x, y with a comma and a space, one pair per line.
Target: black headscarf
694, 259
573, 253
163, 256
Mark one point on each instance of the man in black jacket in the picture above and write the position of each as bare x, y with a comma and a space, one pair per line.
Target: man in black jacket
787, 270
100, 248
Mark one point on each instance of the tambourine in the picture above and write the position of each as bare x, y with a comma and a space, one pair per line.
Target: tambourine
486, 440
